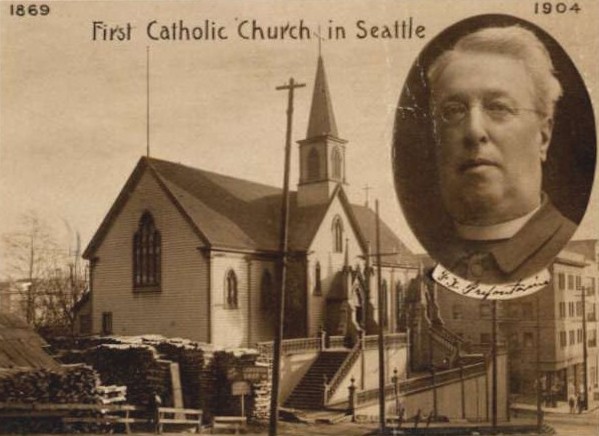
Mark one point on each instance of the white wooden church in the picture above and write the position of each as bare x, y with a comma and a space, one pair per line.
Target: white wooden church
189, 253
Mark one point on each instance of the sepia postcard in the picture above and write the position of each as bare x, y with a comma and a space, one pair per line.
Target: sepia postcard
355, 212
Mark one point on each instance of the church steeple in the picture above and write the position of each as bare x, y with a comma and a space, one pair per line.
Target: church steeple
322, 118
322, 153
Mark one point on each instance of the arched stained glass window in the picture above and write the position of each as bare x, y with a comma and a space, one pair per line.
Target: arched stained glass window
146, 253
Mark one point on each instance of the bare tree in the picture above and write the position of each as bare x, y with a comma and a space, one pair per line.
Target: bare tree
50, 278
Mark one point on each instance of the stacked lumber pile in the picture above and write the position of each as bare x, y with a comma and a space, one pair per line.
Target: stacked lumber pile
192, 358
74, 384
142, 364
263, 389
136, 366
223, 364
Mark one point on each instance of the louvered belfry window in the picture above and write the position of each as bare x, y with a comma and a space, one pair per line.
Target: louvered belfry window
146, 253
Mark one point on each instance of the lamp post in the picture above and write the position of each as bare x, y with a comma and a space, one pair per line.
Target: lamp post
585, 353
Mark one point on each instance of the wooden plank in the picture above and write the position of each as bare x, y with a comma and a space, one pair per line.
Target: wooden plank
230, 419
178, 410
179, 421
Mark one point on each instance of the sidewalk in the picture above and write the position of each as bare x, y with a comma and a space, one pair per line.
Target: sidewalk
561, 409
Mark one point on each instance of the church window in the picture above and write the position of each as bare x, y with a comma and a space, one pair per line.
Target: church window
267, 297
313, 165
317, 280
231, 300
146, 253
337, 235
336, 158
399, 302
384, 305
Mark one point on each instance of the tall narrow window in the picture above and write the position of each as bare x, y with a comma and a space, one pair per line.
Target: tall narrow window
267, 296
317, 280
384, 305
231, 301
337, 235
146, 253
313, 165
399, 302
337, 163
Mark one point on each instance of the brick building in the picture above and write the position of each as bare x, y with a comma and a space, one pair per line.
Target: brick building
549, 322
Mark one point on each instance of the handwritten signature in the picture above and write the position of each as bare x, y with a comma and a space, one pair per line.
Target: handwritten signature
483, 291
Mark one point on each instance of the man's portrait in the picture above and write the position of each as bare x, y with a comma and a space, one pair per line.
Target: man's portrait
491, 102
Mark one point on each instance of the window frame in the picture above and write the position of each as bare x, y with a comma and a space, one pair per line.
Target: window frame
231, 295
337, 228
147, 255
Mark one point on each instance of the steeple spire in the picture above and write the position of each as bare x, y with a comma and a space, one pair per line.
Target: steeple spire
322, 119
322, 153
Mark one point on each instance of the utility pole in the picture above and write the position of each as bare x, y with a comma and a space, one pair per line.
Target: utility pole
276, 364
494, 369
381, 308
538, 367
585, 356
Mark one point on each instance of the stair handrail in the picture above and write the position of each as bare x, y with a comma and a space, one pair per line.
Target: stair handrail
333, 385
442, 339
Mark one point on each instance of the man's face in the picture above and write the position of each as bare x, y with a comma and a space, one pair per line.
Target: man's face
491, 140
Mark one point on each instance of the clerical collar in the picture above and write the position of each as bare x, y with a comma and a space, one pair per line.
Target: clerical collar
503, 230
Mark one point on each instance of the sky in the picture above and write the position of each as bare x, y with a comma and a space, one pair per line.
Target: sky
73, 118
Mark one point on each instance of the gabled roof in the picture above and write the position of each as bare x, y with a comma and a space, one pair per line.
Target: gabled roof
322, 119
20, 346
231, 213
393, 249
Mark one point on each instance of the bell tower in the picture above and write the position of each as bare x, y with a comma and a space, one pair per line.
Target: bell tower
322, 153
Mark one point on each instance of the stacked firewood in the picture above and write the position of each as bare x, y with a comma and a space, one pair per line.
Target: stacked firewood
135, 366
75, 384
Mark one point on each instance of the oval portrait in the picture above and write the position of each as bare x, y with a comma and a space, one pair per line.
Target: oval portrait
494, 149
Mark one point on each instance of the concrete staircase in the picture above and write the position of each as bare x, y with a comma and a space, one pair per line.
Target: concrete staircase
309, 392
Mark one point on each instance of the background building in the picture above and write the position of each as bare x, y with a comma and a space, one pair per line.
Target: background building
549, 322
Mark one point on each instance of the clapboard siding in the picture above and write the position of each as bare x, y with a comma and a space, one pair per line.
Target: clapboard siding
330, 263
180, 307
229, 324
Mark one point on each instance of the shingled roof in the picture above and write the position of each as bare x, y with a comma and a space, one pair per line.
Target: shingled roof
231, 213
20, 346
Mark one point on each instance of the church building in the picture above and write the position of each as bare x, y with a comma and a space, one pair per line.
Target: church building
189, 253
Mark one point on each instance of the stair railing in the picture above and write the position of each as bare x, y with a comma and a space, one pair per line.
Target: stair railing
331, 387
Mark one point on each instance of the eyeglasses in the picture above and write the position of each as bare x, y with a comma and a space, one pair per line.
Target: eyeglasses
454, 112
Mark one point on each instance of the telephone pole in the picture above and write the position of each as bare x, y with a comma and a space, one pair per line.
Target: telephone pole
280, 315
585, 352
382, 313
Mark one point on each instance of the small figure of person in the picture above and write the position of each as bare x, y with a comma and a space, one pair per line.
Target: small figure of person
572, 403
154, 404
579, 403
